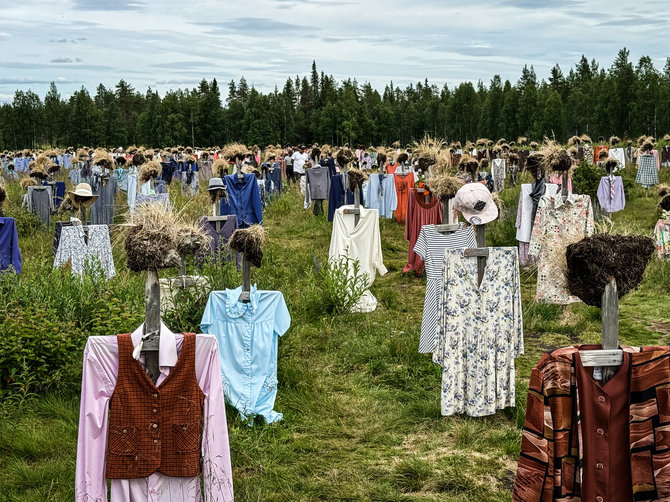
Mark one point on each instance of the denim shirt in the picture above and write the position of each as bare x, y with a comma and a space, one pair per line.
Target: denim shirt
244, 200
248, 335
10, 254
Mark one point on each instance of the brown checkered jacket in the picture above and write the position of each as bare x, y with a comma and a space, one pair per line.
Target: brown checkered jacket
154, 428
551, 447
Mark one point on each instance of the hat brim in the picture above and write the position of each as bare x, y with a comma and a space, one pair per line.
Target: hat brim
220, 187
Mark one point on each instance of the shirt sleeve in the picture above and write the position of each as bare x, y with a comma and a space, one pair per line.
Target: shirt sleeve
534, 481
216, 466
517, 312
394, 196
98, 381
420, 247
256, 202
589, 216
378, 256
282, 316
208, 316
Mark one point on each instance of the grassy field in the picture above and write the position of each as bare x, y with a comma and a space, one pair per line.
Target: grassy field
361, 405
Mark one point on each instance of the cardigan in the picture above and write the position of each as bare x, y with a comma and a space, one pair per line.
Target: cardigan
552, 446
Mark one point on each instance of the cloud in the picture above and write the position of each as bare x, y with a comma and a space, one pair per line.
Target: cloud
62, 60
183, 65
108, 5
543, 4
256, 26
67, 40
29, 80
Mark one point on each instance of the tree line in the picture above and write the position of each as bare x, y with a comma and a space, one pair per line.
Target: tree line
625, 99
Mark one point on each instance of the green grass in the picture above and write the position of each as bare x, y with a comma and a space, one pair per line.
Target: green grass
361, 406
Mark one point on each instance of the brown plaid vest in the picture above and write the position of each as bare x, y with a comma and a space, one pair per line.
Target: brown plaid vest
154, 428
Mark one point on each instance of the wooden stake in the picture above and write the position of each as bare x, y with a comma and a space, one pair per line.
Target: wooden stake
246, 280
610, 324
152, 325
480, 235
357, 206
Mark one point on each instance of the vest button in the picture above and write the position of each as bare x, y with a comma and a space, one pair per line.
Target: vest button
600, 466
155, 395
155, 441
125, 431
155, 426
155, 410
185, 427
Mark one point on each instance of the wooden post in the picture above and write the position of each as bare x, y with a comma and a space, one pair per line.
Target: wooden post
246, 280
152, 325
182, 265
480, 235
610, 324
357, 205
84, 226
450, 211
564, 186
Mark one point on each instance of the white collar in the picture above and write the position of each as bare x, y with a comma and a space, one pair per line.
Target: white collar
167, 352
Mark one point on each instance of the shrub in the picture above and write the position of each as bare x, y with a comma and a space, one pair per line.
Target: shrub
337, 285
586, 179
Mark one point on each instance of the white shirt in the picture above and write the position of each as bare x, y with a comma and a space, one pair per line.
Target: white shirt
299, 160
362, 243
526, 203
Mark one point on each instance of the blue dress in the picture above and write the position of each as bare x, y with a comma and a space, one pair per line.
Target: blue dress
248, 335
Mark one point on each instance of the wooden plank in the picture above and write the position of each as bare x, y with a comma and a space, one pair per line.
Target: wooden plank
564, 186
592, 358
476, 253
152, 325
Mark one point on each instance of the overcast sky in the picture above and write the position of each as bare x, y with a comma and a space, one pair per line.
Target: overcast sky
170, 44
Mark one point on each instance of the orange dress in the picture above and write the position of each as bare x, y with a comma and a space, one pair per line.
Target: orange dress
403, 184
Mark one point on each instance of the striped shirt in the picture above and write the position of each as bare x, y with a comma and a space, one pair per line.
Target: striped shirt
430, 246
551, 461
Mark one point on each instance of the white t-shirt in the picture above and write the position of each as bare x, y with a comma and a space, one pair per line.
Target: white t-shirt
299, 160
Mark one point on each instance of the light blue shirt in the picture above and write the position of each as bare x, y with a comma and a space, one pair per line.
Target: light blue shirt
384, 199
248, 334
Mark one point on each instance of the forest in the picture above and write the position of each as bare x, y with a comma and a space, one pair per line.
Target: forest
627, 99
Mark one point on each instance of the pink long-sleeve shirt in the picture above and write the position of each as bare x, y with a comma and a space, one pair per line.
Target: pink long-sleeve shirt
98, 382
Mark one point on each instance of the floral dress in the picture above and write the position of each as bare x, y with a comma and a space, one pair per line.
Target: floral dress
480, 332
558, 223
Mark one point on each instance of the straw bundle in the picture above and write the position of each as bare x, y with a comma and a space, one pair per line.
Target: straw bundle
444, 186
249, 241
356, 178
522, 140
534, 145
191, 239
139, 159
102, 158
615, 140
234, 151
28, 182
574, 140
555, 158
344, 156
220, 168
120, 160
427, 150
585, 138
152, 242
149, 171
594, 261
647, 146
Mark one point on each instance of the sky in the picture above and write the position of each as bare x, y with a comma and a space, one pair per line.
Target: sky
171, 44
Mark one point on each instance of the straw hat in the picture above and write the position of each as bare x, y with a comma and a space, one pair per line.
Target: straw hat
83, 190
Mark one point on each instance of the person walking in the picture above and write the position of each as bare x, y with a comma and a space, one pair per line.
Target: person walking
288, 162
